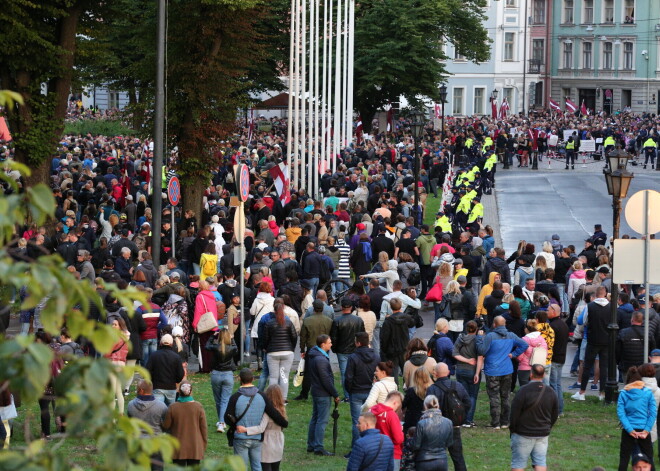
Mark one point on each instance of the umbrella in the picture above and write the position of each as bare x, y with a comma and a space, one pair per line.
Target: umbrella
335, 426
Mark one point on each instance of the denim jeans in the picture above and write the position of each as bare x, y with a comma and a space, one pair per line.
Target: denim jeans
265, 372
315, 285
168, 396
546, 376
250, 452
318, 422
342, 359
561, 287
222, 384
375, 340
466, 378
148, 347
523, 447
357, 399
336, 286
555, 383
279, 368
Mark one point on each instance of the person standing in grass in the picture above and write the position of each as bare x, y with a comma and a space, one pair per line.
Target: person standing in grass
373, 451
534, 410
186, 421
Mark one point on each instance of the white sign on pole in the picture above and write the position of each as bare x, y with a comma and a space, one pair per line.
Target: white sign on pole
568, 133
588, 146
628, 266
635, 216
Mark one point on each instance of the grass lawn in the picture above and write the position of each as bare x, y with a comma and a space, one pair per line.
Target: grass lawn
587, 436
431, 209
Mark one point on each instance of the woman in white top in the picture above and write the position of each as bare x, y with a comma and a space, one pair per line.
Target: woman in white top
383, 385
390, 275
263, 304
547, 254
365, 313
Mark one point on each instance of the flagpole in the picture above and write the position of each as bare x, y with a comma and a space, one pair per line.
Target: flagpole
303, 96
351, 61
322, 134
329, 91
337, 117
344, 78
315, 167
296, 151
289, 121
312, 79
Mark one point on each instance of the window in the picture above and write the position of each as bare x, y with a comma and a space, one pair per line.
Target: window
457, 55
565, 93
479, 94
538, 15
538, 49
588, 15
608, 16
508, 94
568, 55
568, 11
457, 101
607, 55
509, 39
628, 56
113, 99
626, 98
629, 12
587, 61
511, 3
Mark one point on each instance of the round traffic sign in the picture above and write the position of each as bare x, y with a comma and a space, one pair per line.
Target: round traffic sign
174, 191
243, 179
634, 212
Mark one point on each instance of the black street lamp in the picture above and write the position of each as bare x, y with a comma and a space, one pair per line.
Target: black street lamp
416, 128
443, 100
618, 181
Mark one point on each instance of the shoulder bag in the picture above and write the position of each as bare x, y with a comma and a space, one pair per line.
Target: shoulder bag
231, 431
208, 321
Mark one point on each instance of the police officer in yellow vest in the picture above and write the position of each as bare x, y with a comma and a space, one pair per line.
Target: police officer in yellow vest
463, 210
477, 213
649, 149
609, 143
443, 223
570, 153
488, 144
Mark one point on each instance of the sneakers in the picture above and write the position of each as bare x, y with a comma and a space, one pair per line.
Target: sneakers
601, 397
469, 425
573, 374
574, 386
595, 387
505, 426
220, 427
578, 397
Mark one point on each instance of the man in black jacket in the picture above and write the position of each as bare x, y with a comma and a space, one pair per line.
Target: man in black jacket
359, 377
439, 388
394, 336
311, 266
630, 344
323, 390
166, 370
343, 331
277, 270
558, 351
382, 243
534, 411
496, 263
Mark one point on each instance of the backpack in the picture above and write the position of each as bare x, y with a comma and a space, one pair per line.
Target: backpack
414, 313
324, 272
451, 406
209, 267
414, 277
431, 346
539, 356
77, 349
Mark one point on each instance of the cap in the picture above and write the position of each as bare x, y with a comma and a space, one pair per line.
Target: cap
603, 270
145, 224
177, 331
306, 284
175, 274
360, 227
461, 279
458, 261
555, 236
346, 302
637, 457
166, 340
641, 299
129, 197
655, 353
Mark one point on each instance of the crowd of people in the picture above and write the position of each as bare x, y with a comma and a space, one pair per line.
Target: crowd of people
346, 271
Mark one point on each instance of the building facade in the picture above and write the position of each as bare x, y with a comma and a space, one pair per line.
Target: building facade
605, 53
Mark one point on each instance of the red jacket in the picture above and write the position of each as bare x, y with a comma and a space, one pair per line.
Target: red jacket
389, 424
152, 317
119, 351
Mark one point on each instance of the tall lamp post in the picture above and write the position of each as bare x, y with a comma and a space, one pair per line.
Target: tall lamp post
443, 100
618, 180
416, 128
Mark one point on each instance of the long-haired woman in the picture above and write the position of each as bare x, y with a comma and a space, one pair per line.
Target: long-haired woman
279, 340
413, 402
224, 351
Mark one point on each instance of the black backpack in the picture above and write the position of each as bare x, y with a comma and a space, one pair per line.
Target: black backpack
325, 274
451, 406
414, 277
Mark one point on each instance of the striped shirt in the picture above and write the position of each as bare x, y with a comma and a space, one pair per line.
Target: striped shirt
345, 253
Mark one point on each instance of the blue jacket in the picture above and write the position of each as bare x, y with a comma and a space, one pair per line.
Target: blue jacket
496, 346
636, 407
365, 455
254, 414
443, 349
320, 373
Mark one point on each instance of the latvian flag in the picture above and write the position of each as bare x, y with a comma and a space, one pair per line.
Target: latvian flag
390, 119
554, 106
359, 131
570, 106
493, 106
583, 109
437, 111
504, 108
281, 182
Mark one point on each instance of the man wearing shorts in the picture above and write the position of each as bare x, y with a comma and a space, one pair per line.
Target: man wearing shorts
534, 411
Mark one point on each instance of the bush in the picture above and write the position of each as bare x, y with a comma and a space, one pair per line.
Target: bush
101, 127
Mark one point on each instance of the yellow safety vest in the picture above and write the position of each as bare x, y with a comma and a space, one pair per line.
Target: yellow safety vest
609, 141
650, 143
444, 224
570, 145
477, 212
468, 142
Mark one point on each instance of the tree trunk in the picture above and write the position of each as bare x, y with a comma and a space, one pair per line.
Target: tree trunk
192, 193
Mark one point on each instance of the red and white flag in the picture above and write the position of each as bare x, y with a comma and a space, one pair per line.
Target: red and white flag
493, 106
359, 131
281, 182
504, 108
583, 109
554, 106
570, 106
437, 111
390, 119
533, 135
5, 135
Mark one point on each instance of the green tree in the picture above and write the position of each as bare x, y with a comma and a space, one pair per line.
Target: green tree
398, 48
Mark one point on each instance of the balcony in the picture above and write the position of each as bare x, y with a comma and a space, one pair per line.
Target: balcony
535, 66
